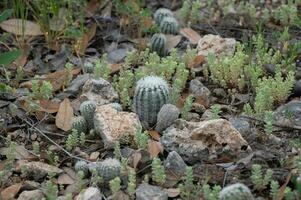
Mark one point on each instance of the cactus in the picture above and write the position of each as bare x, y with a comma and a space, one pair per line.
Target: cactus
236, 191
151, 93
79, 123
158, 44
87, 109
162, 13
81, 166
116, 106
89, 67
169, 25
108, 169
166, 116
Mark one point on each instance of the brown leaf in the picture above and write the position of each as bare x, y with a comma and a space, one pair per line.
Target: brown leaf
136, 158
154, 148
173, 192
11, 191
172, 41
154, 135
65, 179
199, 59
106, 12
191, 34
49, 106
92, 7
16, 27
282, 188
83, 43
63, 119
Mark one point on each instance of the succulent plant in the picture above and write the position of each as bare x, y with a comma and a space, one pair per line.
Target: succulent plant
87, 109
81, 166
236, 191
161, 13
166, 116
79, 123
89, 67
158, 44
151, 93
108, 169
169, 25
116, 106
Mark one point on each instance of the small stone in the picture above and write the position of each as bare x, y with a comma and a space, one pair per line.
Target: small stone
91, 193
76, 84
200, 92
31, 195
175, 164
166, 116
289, 114
150, 192
30, 185
243, 126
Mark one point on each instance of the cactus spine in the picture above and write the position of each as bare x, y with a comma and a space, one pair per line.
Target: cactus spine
151, 93
109, 169
79, 123
81, 166
162, 13
87, 109
169, 25
236, 191
166, 116
158, 44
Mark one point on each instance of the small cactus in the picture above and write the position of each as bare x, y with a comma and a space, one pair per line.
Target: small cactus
236, 191
158, 44
79, 123
162, 13
116, 106
81, 166
89, 67
151, 93
169, 25
87, 109
166, 116
109, 169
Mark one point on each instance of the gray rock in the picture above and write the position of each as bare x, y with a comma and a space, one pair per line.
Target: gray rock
116, 106
117, 55
100, 91
166, 116
200, 92
31, 195
91, 193
30, 185
150, 192
242, 125
289, 114
202, 141
175, 164
76, 84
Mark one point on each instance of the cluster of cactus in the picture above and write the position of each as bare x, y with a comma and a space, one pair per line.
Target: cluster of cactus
236, 191
151, 93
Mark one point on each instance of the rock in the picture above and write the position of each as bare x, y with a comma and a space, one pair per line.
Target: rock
193, 117
116, 106
217, 45
91, 193
289, 114
39, 170
203, 141
175, 168
111, 125
297, 88
242, 125
200, 92
150, 192
31, 195
100, 91
30, 185
75, 85
117, 55
166, 116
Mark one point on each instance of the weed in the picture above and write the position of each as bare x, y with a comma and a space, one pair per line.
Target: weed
259, 180
158, 172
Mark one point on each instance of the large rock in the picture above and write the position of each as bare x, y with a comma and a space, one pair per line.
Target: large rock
150, 192
31, 195
100, 91
112, 125
203, 141
289, 114
175, 168
91, 193
217, 45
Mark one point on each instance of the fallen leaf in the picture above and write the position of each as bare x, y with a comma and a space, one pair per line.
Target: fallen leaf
154, 148
49, 106
82, 44
63, 119
106, 12
92, 7
20, 27
154, 135
11, 191
283, 187
173, 192
172, 41
136, 158
94, 156
65, 179
115, 67
199, 59
191, 34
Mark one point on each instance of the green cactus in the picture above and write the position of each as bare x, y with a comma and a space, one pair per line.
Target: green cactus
169, 25
236, 191
158, 44
87, 109
108, 169
162, 13
166, 116
89, 67
79, 123
151, 93
81, 166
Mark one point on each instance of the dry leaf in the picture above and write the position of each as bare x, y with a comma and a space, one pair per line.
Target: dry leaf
65, 179
15, 26
63, 119
191, 34
92, 7
106, 12
11, 191
83, 43
115, 67
94, 156
154, 135
199, 59
136, 158
172, 41
173, 192
154, 148
49, 106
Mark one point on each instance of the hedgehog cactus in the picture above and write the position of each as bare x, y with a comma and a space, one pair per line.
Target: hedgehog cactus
166, 116
236, 191
158, 44
151, 93
87, 109
79, 123
162, 13
108, 169
81, 166
169, 25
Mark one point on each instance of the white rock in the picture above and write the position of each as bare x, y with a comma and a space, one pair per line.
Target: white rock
91, 193
31, 195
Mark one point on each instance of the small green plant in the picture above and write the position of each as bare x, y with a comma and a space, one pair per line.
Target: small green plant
117, 151
216, 111
68, 70
274, 190
50, 190
141, 139
188, 190
287, 14
289, 194
102, 68
259, 180
187, 106
131, 189
72, 140
185, 11
158, 171
115, 185
269, 120
96, 179
196, 11
211, 193
36, 148
79, 180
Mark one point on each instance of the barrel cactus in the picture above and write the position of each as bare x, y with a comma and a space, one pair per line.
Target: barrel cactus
108, 169
161, 13
169, 25
87, 109
166, 116
79, 123
236, 191
158, 44
151, 93
81, 166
